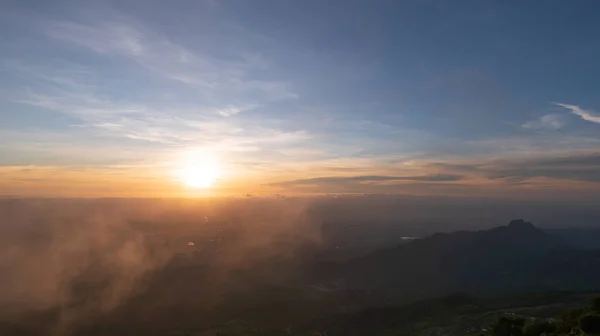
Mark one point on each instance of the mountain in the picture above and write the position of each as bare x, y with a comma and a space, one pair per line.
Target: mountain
584, 238
515, 258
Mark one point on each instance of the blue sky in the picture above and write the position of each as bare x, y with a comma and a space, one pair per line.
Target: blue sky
307, 96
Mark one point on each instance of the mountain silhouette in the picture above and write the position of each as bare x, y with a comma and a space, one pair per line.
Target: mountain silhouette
515, 258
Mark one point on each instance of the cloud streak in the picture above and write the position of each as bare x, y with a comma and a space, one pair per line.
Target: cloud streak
219, 78
369, 179
582, 167
584, 114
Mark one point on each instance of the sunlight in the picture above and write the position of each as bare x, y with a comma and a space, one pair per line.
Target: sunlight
199, 174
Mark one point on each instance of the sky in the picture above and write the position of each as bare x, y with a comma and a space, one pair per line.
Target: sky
113, 98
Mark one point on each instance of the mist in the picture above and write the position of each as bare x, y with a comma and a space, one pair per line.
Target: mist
84, 258
70, 264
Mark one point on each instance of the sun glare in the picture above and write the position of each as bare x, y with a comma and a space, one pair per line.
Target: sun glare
199, 175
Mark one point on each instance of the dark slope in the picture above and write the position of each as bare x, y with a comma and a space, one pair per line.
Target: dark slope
513, 258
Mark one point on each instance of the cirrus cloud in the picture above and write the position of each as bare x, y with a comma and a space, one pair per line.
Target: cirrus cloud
584, 114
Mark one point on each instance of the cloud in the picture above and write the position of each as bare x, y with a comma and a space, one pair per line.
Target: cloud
229, 111
577, 167
584, 114
224, 78
134, 98
546, 122
535, 144
106, 38
369, 179
582, 167
135, 131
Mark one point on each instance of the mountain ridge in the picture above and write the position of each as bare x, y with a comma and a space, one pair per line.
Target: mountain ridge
502, 260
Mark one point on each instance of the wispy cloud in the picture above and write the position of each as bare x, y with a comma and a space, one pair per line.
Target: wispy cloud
369, 179
218, 77
584, 114
169, 95
105, 38
546, 122
182, 126
576, 167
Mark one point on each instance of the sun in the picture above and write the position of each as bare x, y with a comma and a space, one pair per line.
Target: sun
199, 175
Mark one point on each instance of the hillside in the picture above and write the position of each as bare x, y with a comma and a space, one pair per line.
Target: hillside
509, 259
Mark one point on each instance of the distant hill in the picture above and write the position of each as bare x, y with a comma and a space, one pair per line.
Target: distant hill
584, 238
515, 258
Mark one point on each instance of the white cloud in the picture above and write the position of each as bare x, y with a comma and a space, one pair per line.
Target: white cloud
178, 127
147, 49
204, 112
231, 110
546, 122
106, 38
217, 77
140, 128
584, 114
